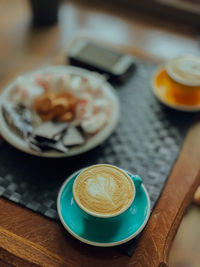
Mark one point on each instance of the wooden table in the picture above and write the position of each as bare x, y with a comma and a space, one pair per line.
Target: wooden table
28, 239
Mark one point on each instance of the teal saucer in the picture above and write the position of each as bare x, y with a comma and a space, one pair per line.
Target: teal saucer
101, 233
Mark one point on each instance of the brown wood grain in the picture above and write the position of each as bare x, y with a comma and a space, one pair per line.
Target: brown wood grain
28, 239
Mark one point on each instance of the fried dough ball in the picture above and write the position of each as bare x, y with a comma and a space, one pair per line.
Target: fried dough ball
56, 106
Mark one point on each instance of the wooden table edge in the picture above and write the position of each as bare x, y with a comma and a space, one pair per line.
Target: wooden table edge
173, 202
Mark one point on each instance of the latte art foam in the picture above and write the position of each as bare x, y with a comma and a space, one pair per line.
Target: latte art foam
103, 189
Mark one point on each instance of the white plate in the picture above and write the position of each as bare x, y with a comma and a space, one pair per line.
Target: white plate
94, 141
162, 99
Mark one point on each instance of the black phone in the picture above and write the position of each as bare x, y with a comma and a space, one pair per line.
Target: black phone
117, 66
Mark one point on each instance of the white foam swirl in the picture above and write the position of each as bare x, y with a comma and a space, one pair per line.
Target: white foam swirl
103, 189
101, 186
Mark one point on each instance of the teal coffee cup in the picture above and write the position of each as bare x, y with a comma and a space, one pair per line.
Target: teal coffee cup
104, 193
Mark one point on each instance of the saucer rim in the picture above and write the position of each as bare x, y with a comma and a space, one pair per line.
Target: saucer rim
97, 244
95, 141
178, 107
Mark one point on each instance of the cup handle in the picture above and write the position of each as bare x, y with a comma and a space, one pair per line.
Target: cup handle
137, 180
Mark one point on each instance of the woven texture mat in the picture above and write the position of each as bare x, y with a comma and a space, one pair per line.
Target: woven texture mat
146, 141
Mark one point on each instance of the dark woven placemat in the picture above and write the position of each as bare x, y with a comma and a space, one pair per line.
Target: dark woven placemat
146, 141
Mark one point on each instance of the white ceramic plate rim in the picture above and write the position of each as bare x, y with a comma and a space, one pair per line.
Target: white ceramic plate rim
100, 137
178, 107
97, 244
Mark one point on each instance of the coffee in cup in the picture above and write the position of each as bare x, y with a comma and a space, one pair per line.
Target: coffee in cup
177, 84
184, 80
103, 190
185, 70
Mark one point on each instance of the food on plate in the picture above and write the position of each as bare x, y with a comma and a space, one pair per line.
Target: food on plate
58, 106
19, 119
58, 110
73, 137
